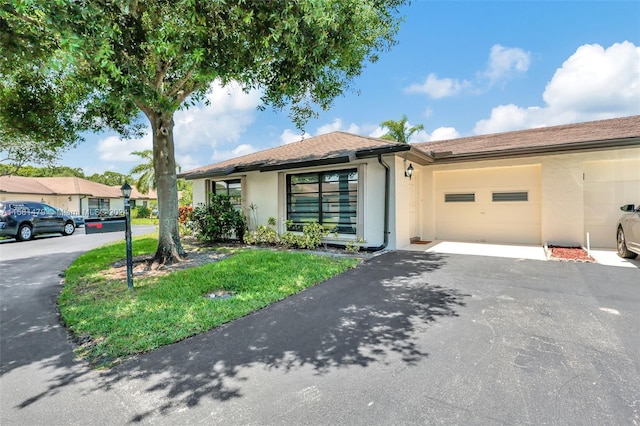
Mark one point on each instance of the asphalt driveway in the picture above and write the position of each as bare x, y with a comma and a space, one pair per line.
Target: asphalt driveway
406, 338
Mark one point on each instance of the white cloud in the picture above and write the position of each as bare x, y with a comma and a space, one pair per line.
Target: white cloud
421, 135
337, 126
230, 112
187, 162
444, 133
290, 136
112, 148
505, 61
378, 132
597, 80
238, 151
593, 84
439, 87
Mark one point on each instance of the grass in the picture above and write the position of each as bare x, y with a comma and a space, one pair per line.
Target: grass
144, 221
113, 323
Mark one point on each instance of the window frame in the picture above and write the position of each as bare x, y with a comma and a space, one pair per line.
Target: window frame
353, 198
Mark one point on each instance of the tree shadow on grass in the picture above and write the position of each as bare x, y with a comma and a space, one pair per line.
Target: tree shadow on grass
371, 314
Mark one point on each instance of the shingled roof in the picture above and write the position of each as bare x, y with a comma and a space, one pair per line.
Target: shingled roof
330, 148
64, 186
341, 147
601, 134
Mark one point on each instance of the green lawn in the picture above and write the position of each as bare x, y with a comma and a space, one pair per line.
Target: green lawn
112, 322
144, 221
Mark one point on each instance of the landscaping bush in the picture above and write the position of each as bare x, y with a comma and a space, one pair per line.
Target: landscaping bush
311, 238
219, 221
185, 214
143, 212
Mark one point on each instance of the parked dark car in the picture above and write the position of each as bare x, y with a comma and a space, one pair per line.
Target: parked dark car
628, 232
23, 220
78, 220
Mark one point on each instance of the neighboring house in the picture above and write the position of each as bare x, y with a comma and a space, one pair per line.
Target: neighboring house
554, 184
79, 196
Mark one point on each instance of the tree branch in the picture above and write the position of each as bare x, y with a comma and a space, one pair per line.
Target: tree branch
178, 85
162, 72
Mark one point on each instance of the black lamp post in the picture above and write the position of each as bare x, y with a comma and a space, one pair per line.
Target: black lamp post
126, 193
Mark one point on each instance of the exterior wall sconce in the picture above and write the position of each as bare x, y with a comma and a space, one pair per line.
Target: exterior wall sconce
409, 172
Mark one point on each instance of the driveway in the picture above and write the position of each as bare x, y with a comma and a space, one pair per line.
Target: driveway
406, 338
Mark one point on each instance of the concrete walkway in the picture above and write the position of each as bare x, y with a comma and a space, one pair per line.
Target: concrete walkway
606, 257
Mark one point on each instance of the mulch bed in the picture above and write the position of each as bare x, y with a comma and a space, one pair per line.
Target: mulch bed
577, 254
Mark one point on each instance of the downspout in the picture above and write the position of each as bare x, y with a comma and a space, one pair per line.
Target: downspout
387, 187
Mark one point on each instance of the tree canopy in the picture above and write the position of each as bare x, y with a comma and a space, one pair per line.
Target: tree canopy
399, 130
96, 65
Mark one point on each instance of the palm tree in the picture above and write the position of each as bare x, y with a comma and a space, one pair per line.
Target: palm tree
147, 178
399, 130
145, 170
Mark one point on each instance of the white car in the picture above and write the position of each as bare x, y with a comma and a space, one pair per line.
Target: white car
628, 232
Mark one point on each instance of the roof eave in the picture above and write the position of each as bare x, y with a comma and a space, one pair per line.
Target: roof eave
540, 150
374, 152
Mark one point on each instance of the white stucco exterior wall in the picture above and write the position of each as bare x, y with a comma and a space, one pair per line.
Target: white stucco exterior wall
562, 191
267, 192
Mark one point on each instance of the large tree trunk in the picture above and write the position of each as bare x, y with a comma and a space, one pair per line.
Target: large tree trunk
169, 247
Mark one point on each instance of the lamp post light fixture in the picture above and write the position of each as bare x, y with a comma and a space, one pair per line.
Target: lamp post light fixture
409, 172
126, 193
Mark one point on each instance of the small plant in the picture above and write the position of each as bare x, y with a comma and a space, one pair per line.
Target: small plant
252, 221
262, 235
271, 221
354, 246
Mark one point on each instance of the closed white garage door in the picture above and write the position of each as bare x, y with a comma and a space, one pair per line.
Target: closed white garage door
495, 205
607, 186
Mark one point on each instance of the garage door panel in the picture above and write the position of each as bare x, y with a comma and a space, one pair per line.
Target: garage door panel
607, 186
485, 220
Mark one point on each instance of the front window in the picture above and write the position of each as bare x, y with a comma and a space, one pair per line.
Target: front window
328, 198
99, 207
230, 188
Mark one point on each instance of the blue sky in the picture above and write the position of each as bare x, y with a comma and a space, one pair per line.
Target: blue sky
460, 68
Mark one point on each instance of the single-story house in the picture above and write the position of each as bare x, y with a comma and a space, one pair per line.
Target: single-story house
74, 194
546, 185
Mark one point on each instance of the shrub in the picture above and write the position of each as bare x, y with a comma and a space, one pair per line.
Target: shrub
218, 221
312, 235
143, 212
184, 214
289, 240
262, 235
311, 238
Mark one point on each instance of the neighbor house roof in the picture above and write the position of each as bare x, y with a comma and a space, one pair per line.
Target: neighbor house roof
23, 185
330, 148
601, 134
64, 186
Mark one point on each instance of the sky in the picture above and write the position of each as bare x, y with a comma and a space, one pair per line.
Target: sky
460, 68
